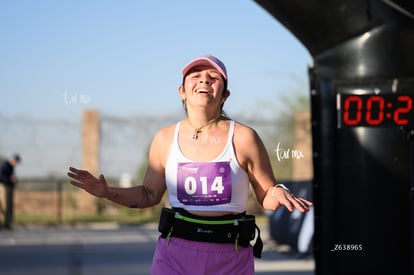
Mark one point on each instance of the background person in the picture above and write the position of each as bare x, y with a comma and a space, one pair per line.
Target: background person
9, 180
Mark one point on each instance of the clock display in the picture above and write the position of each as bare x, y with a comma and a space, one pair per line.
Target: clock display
375, 110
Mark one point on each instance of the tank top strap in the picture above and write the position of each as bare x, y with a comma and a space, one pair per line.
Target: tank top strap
231, 132
177, 128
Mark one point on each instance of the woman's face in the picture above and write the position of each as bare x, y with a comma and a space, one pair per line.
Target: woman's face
203, 85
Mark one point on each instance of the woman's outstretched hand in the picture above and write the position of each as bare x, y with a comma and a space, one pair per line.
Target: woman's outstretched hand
86, 181
284, 197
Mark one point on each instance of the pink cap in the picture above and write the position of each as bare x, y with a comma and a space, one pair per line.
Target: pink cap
206, 60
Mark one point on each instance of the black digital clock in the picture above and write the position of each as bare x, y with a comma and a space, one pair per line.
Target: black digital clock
375, 110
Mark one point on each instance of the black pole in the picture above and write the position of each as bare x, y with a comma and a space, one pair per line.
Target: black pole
410, 135
361, 175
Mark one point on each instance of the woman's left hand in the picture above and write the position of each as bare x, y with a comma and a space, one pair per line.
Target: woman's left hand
288, 199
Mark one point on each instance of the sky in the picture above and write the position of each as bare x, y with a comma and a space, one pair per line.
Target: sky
124, 57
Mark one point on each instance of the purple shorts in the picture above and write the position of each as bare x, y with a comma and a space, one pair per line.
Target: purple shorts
185, 257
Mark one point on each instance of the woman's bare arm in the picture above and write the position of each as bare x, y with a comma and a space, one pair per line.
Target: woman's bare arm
253, 156
148, 194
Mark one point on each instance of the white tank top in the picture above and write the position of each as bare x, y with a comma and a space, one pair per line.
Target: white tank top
216, 185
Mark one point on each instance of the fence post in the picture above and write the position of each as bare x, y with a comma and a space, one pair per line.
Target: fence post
59, 201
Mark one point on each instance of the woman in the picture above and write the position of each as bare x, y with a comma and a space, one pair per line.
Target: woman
206, 162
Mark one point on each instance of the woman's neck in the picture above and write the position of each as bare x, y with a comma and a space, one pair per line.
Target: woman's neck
201, 119
200, 122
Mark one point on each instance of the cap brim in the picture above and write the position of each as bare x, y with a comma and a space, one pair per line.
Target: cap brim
206, 62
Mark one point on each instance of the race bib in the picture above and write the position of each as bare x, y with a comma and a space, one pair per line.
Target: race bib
204, 183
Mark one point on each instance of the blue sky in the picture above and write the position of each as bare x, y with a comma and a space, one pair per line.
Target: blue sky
125, 57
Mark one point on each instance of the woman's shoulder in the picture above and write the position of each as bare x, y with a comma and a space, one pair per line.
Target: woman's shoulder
244, 131
161, 142
165, 134
245, 136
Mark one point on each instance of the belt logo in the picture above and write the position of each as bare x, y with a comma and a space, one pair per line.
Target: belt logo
206, 231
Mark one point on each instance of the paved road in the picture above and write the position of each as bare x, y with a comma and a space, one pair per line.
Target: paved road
108, 249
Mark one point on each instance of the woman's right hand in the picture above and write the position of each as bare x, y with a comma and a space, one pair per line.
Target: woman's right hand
86, 181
